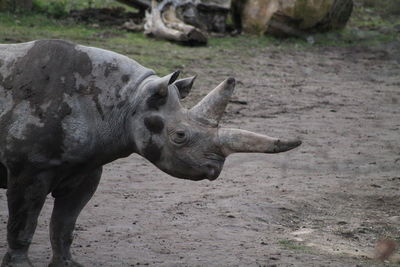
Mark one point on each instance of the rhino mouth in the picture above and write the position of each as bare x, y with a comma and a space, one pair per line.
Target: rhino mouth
214, 165
209, 169
213, 172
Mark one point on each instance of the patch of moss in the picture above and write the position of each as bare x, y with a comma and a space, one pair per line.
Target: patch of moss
314, 11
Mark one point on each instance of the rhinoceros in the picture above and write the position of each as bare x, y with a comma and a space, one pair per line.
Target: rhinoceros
67, 109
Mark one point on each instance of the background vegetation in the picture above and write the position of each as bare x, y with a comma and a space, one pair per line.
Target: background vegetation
373, 23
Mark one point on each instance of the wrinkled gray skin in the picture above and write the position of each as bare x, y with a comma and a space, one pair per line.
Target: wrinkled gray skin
66, 110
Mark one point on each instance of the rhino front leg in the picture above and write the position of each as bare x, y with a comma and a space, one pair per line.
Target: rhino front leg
26, 195
67, 207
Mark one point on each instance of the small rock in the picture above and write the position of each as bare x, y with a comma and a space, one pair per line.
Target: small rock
385, 248
395, 219
307, 70
375, 185
310, 39
362, 231
348, 234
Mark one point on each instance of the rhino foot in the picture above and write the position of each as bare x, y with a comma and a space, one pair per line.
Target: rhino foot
16, 261
63, 263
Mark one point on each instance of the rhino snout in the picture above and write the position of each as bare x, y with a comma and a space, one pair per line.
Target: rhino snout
213, 166
213, 171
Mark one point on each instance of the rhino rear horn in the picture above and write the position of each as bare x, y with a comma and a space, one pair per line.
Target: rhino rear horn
237, 141
211, 108
184, 86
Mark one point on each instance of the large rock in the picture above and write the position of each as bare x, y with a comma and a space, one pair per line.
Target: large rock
292, 17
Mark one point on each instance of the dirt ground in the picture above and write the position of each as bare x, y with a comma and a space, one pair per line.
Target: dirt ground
326, 203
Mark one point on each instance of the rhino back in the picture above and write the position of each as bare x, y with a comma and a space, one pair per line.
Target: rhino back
57, 96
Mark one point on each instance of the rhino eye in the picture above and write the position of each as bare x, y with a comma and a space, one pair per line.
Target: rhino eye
179, 137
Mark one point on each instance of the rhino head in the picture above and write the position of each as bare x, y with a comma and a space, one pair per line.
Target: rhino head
189, 144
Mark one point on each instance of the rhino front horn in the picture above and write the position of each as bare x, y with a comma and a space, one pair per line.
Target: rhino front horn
237, 140
211, 108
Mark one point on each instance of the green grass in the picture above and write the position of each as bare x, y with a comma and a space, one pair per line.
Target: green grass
37, 26
81, 4
295, 246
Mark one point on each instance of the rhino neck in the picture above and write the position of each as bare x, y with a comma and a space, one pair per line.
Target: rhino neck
113, 87
113, 81
114, 127
135, 94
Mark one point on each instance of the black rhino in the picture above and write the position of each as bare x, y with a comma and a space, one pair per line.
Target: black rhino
66, 110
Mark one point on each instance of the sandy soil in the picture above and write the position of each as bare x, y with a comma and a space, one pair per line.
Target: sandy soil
326, 203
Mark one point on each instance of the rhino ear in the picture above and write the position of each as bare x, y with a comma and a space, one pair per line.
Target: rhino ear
159, 93
184, 86
164, 82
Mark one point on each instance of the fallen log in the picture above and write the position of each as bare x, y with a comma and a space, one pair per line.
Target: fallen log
206, 15
162, 23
